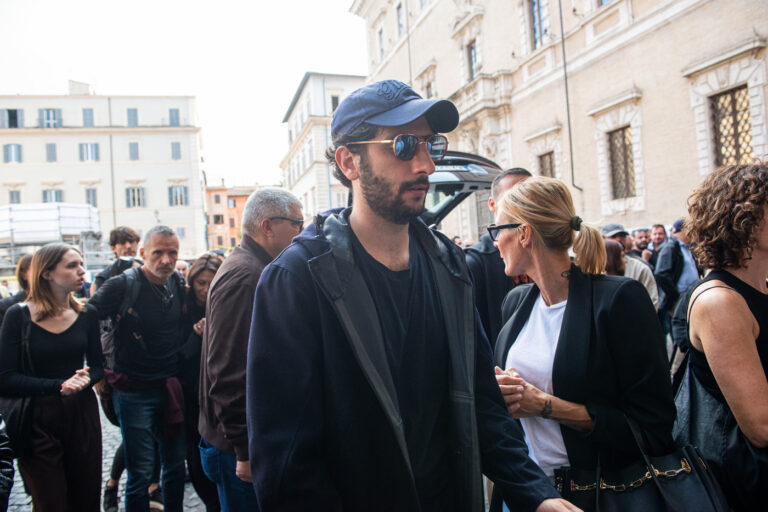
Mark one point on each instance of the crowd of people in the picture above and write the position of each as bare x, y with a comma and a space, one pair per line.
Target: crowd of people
367, 362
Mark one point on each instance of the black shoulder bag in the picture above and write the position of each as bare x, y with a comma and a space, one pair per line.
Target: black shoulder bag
705, 419
17, 411
678, 482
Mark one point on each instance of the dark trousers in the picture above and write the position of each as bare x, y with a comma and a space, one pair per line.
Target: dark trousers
63, 472
140, 414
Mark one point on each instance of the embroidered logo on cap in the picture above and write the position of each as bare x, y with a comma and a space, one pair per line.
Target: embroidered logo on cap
391, 89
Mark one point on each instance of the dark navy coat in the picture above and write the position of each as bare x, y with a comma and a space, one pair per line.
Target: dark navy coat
324, 428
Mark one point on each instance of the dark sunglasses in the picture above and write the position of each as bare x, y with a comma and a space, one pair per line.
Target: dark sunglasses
493, 229
296, 222
404, 146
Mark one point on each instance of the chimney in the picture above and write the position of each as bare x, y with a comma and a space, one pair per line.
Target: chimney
80, 89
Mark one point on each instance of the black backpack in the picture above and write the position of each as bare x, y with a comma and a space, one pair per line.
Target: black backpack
110, 326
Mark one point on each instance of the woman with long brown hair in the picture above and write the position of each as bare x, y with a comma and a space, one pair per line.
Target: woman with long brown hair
62, 469
579, 349
199, 277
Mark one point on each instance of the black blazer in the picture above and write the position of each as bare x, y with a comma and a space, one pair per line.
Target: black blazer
610, 357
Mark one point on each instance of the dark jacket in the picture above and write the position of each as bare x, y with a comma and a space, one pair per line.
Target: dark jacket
19, 296
669, 267
225, 345
323, 422
489, 284
610, 357
6, 467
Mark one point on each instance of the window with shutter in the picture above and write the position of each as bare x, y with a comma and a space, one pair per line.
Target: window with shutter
132, 115
14, 196
89, 152
88, 118
173, 117
12, 153
176, 150
50, 152
90, 197
133, 150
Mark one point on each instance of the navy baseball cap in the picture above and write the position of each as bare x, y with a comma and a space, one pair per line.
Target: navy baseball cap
678, 225
391, 103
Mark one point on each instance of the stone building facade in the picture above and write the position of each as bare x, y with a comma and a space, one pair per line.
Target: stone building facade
660, 92
305, 170
137, 159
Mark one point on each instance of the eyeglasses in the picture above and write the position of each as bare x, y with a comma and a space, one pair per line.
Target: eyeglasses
296, 222
493, 229
404, 146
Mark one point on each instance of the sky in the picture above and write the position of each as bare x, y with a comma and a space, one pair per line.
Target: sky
242, 60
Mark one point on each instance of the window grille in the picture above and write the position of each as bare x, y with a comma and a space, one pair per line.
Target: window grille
732, 127
622, 163
547, 164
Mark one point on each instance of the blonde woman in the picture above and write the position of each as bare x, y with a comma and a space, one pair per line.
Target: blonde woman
62, 471
578, 349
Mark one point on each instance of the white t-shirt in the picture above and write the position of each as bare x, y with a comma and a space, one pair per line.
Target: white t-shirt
533, 355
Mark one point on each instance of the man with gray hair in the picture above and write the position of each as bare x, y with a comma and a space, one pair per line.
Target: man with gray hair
145, 304
271, 218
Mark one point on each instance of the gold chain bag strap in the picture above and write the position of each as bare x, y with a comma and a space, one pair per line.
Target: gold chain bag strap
679, 481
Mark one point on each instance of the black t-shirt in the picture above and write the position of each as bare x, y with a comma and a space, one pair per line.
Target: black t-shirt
55, 357
414, 338
146, 346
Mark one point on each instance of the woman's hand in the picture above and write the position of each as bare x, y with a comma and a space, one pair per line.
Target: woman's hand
76, 383
511, 386
534, 403
199, 327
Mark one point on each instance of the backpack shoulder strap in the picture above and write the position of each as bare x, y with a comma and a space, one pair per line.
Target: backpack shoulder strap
132, 288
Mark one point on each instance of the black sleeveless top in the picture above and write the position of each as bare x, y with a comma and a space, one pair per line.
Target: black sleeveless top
758, 305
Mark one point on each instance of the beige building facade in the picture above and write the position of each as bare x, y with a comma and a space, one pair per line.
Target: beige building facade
305, 170
137, 159
224, 207
660, 92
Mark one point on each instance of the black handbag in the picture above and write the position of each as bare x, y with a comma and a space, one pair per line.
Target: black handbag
706, 420
679, 481
17, 411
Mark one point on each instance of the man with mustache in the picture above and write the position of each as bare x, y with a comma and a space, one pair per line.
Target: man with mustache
145, 390
369, 380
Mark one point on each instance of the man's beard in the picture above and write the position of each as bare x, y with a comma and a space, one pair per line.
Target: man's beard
377, 191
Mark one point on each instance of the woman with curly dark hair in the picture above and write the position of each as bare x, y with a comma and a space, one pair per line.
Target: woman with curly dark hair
723, 402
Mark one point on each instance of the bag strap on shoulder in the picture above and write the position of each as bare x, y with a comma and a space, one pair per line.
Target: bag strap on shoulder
26, 333
690, 306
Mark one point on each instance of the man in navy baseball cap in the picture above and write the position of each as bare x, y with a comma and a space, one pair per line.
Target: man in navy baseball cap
373, 386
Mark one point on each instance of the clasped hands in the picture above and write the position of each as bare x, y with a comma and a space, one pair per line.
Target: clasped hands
523, 399
76, 383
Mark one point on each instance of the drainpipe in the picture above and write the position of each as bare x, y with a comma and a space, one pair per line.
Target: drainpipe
567, 98
112, 165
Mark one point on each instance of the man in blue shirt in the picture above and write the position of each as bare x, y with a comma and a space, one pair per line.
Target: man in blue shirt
676, 268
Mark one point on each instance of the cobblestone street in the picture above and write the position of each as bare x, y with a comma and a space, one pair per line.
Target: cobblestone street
20, 502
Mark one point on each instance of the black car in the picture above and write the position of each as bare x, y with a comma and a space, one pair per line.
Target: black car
456, 177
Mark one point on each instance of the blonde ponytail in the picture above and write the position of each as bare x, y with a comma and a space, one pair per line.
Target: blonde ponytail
546, 205
590, 250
